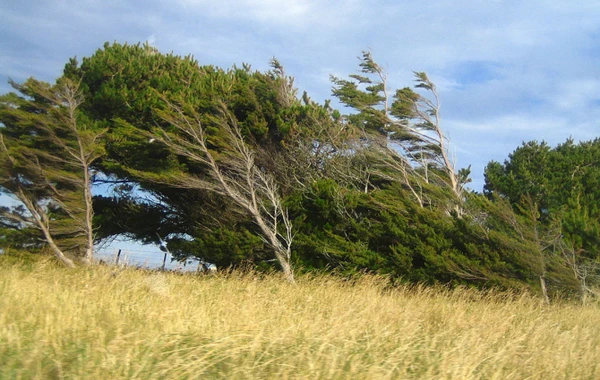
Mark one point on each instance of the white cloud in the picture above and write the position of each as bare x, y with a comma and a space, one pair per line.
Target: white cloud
576, 93
286, 14
508, 125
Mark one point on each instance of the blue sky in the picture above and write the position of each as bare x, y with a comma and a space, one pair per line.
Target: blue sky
507, 71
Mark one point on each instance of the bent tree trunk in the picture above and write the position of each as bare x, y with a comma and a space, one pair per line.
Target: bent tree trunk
59, 254
286, 267
282, 254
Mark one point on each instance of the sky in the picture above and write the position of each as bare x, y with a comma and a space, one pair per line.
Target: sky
506, 71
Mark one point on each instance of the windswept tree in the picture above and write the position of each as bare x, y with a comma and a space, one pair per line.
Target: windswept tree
557, 190
428, 145
402, 129
47, 149
368, 94
232, 173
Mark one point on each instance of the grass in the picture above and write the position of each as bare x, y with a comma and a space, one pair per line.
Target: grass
104, 323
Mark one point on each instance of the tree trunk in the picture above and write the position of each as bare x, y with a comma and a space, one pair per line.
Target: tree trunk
59, 255
286, 267
544, 290
282, 253
57, 251
89, 216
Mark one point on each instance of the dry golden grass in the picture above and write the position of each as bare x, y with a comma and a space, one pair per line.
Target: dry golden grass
95, 323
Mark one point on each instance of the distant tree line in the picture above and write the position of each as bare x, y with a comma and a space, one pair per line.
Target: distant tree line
234, 167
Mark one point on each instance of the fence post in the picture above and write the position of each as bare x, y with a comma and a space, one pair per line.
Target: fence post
118, 256
164, 261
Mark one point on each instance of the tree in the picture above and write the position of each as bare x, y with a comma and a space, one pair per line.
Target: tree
368, 94
222, 163
236, 176
47, 149
525, 173
124, 86
402, 132
430, 146
557, 190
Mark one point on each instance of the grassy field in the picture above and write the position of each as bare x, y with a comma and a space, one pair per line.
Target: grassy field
100, 323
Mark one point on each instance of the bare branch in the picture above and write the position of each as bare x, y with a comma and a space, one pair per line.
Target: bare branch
235, 177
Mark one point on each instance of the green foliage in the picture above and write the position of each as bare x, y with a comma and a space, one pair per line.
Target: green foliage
385, 232
401, 137
222, 247
125, 86
16, 235
563, 183
525, 173
371, 191
367, 94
